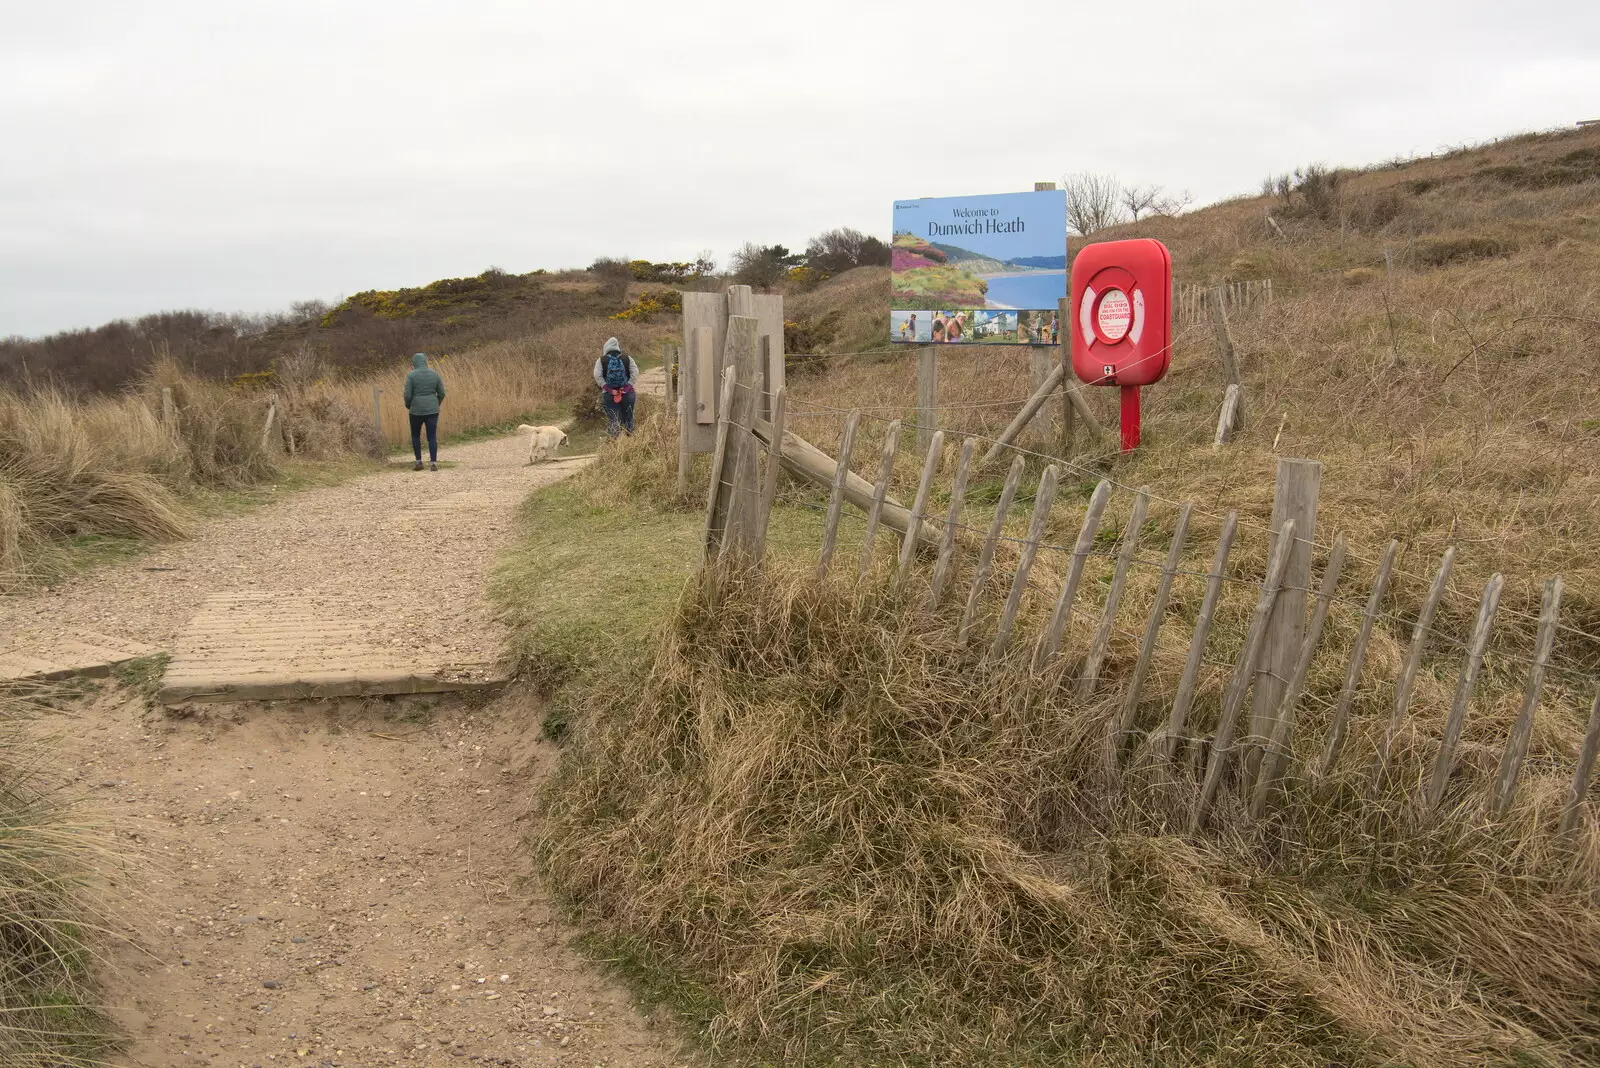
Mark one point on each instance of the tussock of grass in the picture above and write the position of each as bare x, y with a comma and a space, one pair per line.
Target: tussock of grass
51, 920
871, 848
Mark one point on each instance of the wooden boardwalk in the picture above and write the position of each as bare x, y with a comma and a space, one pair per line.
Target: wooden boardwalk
90, 654
262, 647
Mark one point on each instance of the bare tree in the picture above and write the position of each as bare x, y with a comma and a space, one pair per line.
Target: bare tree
1139, 199
1094, 201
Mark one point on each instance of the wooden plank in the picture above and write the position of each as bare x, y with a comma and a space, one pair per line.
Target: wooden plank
947, 542
830, 529
1299, 484
768, 312
927, 393
1445, 763
315, 686
1229, 417
1505, 786
716, 494
1572, 811
891, 445
908, 544
1276, 759
1243, 674
1358, 657
1187, 685
1119, 581
1152, 629
705, 408
1051, 645
769, 476
980, 576
741, 464
1030, 550
1408, 671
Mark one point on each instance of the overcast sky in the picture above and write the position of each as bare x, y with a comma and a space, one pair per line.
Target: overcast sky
231, 156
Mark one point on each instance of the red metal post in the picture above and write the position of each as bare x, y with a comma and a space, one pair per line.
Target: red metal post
1130, 418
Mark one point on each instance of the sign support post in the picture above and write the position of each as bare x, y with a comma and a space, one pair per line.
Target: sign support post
1130, 418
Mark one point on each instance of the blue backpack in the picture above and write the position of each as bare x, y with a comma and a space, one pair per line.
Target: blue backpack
616, 370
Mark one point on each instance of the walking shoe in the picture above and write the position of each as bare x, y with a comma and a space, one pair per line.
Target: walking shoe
418, 467
433, 467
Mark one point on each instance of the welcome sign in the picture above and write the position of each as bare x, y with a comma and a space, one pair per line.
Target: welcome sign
979, 270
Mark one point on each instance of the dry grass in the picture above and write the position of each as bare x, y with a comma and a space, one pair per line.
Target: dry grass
873, 848
52, 921
860, 843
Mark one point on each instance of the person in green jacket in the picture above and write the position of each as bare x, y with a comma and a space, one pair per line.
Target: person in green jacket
424, 391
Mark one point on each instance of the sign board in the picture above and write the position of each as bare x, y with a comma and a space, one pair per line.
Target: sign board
983, 270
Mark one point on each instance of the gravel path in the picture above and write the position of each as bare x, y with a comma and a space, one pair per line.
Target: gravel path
340, 882
406, 549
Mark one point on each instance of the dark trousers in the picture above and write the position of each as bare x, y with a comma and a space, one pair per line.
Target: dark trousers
432, 423
619, 415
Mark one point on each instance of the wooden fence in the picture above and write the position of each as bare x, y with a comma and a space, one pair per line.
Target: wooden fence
1192, 303
1250, 747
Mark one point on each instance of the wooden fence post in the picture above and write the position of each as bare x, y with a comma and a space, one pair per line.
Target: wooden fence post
1445, 764
947, 542
1229, 417
377, 412
1408, 671
891, 444
1064, 316
1243, 673
980, 576
1051, 644
1030, 550
1505, 786
1152, 630
1358, 657
1276, 758
169, 410
1230, 363
927, 393
1202, 630
1295, 500
908, 547
741, 463
266, 428
716, 498
830, 529
769, 475
1039, 366
1572, 812
1119, 580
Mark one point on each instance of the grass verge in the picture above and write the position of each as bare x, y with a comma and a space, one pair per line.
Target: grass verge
51, 919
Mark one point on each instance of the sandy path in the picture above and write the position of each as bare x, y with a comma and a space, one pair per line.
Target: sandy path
341, 882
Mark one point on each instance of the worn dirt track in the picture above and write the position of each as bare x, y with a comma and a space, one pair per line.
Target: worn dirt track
341, 882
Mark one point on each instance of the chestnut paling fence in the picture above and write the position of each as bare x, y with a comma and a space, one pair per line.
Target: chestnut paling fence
1266, 691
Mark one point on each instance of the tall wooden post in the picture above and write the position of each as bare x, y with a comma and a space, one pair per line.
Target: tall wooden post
1230, 363
927, 394
742, 459
169, 411
1064, 309
1039, 361
1299, 484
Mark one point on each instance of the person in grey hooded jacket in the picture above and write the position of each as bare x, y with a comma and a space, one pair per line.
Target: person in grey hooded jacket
424, 390
615, 374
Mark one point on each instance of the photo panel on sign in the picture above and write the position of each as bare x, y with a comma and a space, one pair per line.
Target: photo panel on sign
992, 327
912, 327
1039, 327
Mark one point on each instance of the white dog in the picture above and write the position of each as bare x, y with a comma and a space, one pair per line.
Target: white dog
543, 441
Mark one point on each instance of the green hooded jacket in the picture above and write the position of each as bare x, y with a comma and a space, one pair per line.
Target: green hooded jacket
424, 387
